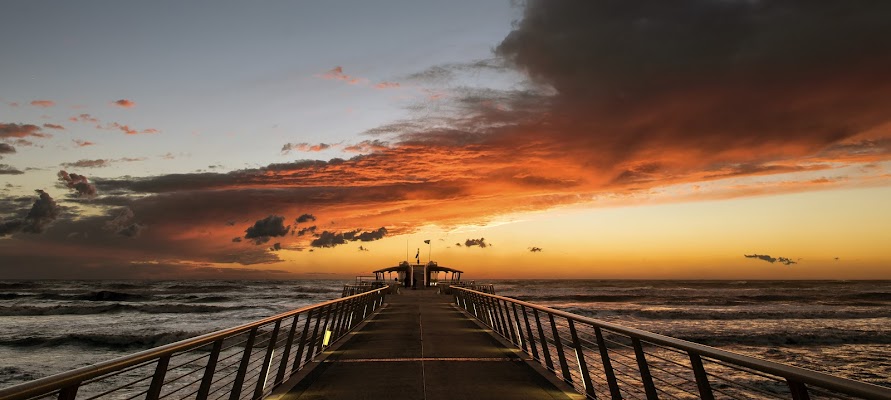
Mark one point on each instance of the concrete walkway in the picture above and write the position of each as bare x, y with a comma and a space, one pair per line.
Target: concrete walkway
420, 347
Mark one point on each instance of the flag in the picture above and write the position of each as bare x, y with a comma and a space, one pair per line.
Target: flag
427, 241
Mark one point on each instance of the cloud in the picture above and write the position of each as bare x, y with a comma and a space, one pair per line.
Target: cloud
276, 247
42, 214
363, 248
100, 163
305, 147
43, 103
764, 257
6, 148
535, 249
132, 230
268, 227
305, 218
304, 231
54, 126
124, 103
236, 239
120, 221
84, 118
81, 185
9, 170
82, 143
367, 146
332, 239
128, 130
336, 73
8, 131
481, 242
386, 85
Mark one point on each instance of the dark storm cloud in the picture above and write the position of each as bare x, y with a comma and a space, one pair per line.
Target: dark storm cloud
305, 218
79, 183
87, 164
8, 131
132, 230
268, 227
9, 170
535, 249
764, 257
236, 239
332, 239
304, 231
42, 214
481, 242
9, 227
6, 148
276, 247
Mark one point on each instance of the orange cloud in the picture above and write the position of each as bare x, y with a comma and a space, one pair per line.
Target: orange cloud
128, 130
386, 85
43, 103
124, 103
336, 73
21, 131
305, 147
84, 118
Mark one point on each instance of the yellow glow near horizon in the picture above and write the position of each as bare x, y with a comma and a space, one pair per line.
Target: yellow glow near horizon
695, 240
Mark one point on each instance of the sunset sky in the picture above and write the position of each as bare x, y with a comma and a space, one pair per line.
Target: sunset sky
537, 139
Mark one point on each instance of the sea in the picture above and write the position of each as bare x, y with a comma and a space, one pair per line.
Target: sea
838, 327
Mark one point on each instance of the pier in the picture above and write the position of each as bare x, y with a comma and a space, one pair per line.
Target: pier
387, 342
420, 346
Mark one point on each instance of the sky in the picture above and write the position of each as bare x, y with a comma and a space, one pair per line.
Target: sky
702, 139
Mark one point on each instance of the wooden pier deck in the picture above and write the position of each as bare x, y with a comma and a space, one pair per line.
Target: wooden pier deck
422, 347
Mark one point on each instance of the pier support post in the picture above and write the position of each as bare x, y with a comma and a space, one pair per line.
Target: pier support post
607, 366
235, 394
644, 368
286, 353
558, 347
529, 337
267, 359
583, 364
545, 349
209, 370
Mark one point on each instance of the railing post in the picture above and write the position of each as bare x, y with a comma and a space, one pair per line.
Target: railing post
69, 392
311, 343
242, 368
158, 378
267, 359
518, 329
607, 366
510, 323
644, 368
504, 328
580, 356
798, 389
321, 338
286, 353
558, 346
298, 359
545, 350
705, 389
209, 370
493, 314
529, 337
338, 319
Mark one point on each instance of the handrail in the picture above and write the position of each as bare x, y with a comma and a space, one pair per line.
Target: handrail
74, 378
796, 377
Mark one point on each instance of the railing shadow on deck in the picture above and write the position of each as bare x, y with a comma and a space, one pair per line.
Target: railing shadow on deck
244, 362
610, 361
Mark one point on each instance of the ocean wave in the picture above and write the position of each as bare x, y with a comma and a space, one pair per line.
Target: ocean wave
825, 337
117, 308
725, 315
100, 295
113, 341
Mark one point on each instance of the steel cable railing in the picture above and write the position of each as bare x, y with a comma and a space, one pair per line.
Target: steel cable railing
244, 362
608, 360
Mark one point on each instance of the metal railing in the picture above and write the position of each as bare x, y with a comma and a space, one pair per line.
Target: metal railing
244, 362
605, 360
